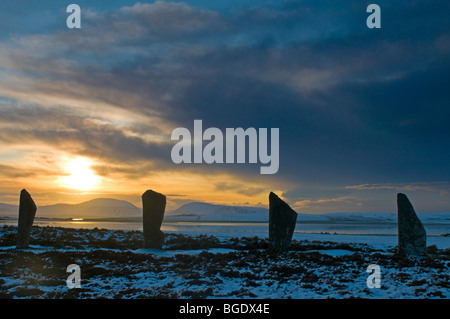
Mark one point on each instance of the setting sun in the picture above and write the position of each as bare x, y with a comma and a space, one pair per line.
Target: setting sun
81, 175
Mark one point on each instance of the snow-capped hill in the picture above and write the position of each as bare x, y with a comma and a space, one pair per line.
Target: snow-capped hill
198, 211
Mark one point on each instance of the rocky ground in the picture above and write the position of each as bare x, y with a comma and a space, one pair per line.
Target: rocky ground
114, 265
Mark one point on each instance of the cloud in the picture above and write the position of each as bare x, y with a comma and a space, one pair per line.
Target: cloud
76, 133
12, 172
169, 18
439, 187
310, 203
241, 188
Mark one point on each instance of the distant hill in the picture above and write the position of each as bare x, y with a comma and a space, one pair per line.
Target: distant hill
206, 212
8, 210
96, 208
199, 211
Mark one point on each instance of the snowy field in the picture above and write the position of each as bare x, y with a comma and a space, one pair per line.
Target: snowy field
114, 265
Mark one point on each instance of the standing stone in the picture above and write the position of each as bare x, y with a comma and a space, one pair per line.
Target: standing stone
27, 211
153, 207
282, 219
412, 237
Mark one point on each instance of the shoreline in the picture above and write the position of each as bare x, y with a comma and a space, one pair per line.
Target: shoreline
382, 237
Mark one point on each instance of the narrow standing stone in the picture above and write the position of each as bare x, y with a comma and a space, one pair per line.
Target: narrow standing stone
412, 237
27, 211
282, 219
153, 207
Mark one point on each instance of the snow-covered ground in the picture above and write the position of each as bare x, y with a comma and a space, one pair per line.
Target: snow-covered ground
227, 273
114, 265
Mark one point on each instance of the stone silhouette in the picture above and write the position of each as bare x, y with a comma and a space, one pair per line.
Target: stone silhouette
282, 219
412, 237
153, 207
27, 211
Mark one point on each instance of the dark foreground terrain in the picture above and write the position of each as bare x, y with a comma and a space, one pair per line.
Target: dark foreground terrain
114, 265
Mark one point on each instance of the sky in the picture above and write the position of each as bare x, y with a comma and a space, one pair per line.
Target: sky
362, 113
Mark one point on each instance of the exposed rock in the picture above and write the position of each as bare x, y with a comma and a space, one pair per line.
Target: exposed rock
282, 220
153, 207
27, 211
412, 237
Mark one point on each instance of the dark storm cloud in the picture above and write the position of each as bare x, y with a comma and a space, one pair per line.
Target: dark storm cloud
357, 106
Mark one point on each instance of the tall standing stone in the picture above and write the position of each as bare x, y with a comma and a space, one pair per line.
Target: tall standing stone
282, 220
27, 211
153, 207
412, 237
